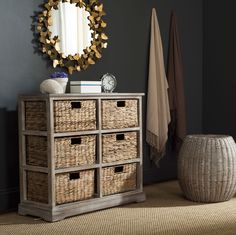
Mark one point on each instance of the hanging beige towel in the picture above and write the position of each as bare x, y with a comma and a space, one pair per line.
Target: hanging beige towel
158, 111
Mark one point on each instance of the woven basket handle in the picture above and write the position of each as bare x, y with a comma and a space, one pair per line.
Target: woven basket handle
76, 105
120, 137
120, 103
119, 169
74, 176
75, 141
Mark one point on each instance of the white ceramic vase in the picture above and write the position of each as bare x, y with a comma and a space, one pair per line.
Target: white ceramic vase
63, 82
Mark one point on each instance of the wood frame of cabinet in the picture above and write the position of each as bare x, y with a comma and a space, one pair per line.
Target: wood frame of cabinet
52, 212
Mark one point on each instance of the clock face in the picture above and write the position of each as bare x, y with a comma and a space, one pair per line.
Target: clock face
108, 82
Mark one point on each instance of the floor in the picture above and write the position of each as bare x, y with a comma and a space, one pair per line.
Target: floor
165, 211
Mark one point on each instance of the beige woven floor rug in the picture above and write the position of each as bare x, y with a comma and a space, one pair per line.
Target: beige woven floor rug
166, 211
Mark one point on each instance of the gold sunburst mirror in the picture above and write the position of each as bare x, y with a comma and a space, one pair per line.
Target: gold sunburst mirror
71, 33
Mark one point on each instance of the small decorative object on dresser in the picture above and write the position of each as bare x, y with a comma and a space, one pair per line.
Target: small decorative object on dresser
61, 78
79, 153
55, 85
85, 87
49, 86
108, 82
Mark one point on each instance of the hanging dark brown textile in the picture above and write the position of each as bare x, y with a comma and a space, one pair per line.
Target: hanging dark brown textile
177, 127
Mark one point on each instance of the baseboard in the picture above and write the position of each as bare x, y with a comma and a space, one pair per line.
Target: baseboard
9, 199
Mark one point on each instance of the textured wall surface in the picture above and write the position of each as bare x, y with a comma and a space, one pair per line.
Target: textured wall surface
22, 70
219, 113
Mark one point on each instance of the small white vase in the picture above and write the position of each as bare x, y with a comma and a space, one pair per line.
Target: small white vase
63, 82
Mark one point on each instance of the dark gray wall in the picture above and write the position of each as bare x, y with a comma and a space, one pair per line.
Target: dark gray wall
22, 70
219, 68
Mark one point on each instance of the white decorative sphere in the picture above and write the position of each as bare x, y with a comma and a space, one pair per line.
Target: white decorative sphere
50, 86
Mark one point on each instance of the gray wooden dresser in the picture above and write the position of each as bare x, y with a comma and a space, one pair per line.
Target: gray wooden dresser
79, 153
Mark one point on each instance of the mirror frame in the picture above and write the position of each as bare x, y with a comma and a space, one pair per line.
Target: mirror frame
91, 54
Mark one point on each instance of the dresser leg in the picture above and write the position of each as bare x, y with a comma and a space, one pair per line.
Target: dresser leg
141, 198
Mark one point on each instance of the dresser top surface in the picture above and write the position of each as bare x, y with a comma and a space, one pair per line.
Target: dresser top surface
75, 95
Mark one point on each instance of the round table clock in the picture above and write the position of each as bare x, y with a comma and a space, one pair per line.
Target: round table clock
108, 82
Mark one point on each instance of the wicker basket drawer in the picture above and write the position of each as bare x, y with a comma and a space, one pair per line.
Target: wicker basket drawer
36, 151
118, 114
76, 151
35, 115
69, 151
37, 186
74, 186
119, 146
119, 179
76, 115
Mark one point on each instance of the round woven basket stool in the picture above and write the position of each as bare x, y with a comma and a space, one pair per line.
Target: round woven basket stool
207, 168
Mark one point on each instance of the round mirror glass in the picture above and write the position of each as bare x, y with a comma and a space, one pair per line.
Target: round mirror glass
71, 25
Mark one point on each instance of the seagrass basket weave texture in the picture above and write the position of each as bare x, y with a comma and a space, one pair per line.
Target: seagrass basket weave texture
207, 168
75, 151
35, 115
118, 147
119, 179
74, 186
119, 114
36, 151
37, 186
74, 115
